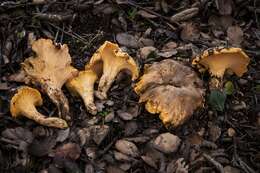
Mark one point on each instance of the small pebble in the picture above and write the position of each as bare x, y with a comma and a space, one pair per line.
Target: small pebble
146, 51
242, 81
109, 103
240, 106
109, 117
231, 132
126, 147
167, 143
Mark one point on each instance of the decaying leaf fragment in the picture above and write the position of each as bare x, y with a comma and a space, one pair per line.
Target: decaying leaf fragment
83, 85
218, 60
171, 89
23, 104
107, 62
50, 69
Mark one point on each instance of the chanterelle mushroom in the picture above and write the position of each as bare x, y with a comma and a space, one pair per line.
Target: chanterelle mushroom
171, 89
218, 60
112, 60
23, 104
50, 69
83, 85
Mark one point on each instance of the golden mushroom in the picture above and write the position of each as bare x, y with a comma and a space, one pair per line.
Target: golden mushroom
83, 85
108, 61
50, 69
171, 89
24, 103
219, 60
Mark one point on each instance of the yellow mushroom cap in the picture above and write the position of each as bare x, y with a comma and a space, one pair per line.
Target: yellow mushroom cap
111, 55
174, 104
83, 85
171, 89
23, 104
23, 98
107, 62
218, 60
50, 69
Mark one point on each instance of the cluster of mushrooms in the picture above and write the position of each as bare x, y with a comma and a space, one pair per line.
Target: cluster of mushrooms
168, 88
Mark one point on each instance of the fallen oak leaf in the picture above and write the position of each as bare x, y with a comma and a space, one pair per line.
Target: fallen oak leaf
235, 35
17, 137
68, 150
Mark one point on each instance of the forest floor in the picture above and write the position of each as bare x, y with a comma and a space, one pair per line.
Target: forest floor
211, 141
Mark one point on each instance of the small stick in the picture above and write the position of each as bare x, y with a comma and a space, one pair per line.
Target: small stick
214, 162
54, 17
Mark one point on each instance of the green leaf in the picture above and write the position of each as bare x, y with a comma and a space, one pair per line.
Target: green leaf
229, 88
103, 113
217, 100
257, 88
132, 13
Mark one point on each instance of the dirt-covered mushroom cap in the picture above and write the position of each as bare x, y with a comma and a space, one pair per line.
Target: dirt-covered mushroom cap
50, 69
83, 86
218, 60
171, 89
107, 62
24, 103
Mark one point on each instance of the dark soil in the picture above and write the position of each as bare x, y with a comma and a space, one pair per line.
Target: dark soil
211, 141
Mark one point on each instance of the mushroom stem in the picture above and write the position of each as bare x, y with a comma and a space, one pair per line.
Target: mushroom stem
31, 112
215, 83
60, 101
89, 103
105, 83
83, 85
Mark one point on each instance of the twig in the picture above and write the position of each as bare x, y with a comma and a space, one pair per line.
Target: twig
71, 34
101, 153
167, 20
256, 18
54, 17
148, 10
239, 162
214, 162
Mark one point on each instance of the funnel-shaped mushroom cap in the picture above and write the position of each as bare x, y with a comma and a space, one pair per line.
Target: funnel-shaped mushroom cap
50, 69
175, 104
83, 85
218, 60
23, 104
171, 89
113, 60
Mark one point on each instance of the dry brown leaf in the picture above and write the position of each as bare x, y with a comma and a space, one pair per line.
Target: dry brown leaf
69, 150
107, 62
50, 69
145, 14
127, 40
190, 32
185, 15
127, 148
235, 35
23, 104
167, 142
224, 6
171, 89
